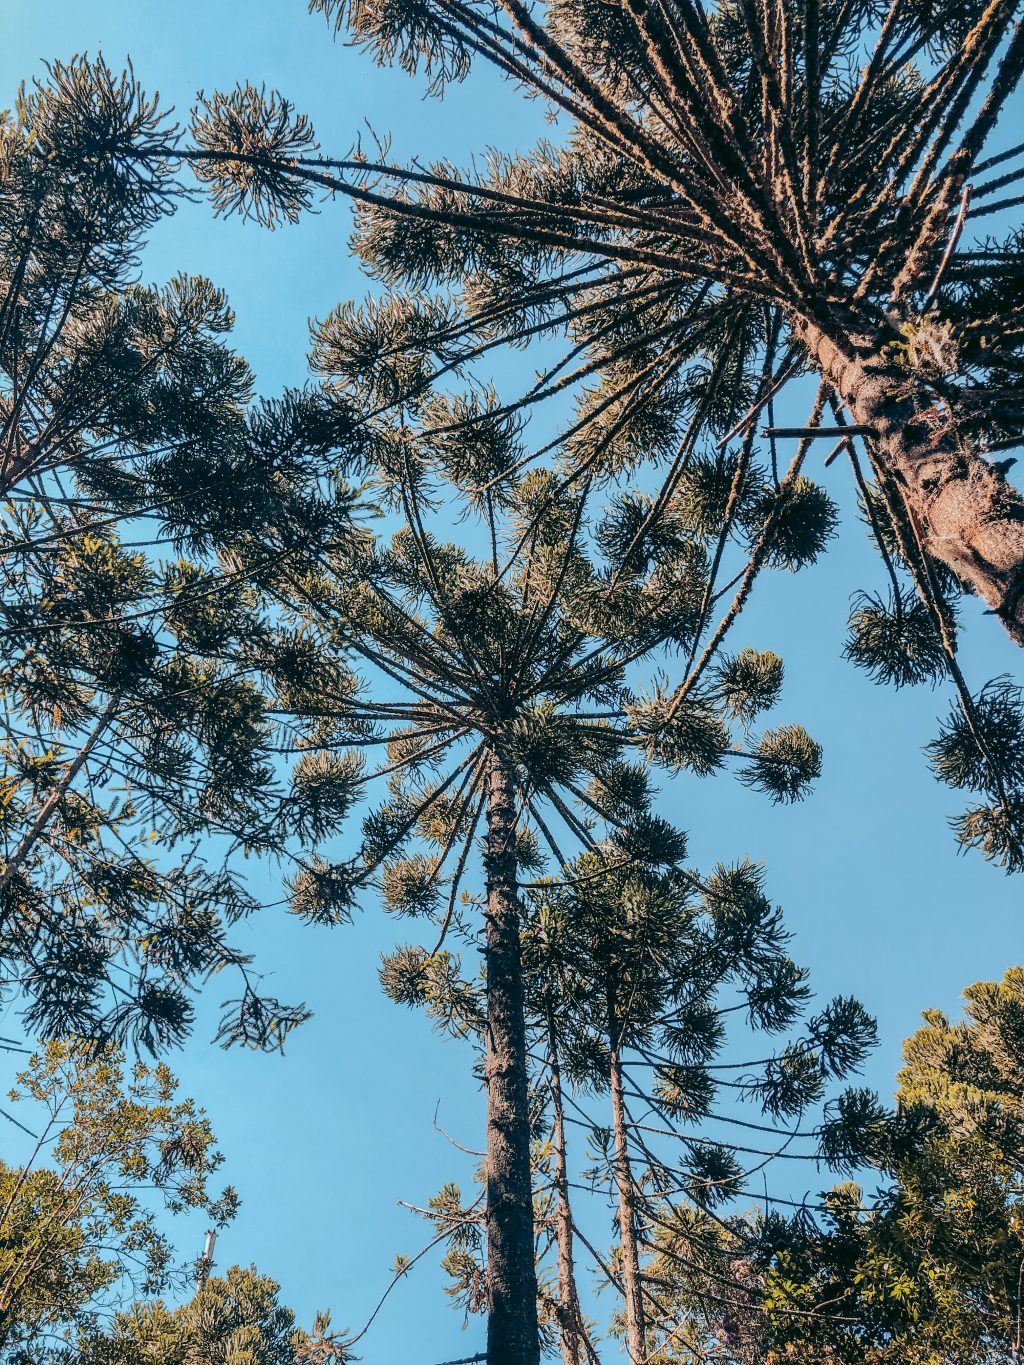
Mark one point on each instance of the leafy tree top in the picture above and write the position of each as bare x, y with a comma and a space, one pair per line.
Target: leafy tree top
728, 182
741, 193
146, 498
234, 1319
928, 1268
528, 641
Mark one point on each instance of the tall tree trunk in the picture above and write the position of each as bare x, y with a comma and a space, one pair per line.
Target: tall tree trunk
512, 1337
964, 511
569, 1317
636, 1346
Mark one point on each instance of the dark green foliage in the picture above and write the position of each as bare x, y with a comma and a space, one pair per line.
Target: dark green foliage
385, 29
694, 734
233, 1319
521, 651
793, 1081
843, 1035
150, 504
696, 737
383, 346
646, 838
704, 234
981, 748
855, 1131
750, 682
713, 1173
997, 831
895, 640
801, 518
324, 786
433, 981
622, 788
712, 223
512, 654
627, 536
784, 764
704, 492
322, 893
408, 886
241, 135
633, 978
985, 750
664, 945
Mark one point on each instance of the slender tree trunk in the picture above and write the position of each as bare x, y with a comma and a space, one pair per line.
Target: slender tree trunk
636, 1345
512, 1337
569, 1317
965, 512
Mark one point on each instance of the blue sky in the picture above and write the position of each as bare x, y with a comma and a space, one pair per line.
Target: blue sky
323, 1142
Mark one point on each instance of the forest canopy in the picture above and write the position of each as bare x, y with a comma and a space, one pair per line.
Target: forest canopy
454, 650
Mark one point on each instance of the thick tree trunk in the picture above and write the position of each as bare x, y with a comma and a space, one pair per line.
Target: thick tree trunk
965, 512
512, 1337
636, 1347
568, 1300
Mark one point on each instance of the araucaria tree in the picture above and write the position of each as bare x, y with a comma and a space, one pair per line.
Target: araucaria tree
740, 195
726, 170
633, 977
501, 677
729, 207
144, 495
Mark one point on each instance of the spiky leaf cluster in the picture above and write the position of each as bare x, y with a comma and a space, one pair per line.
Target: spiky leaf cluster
895, 640
693, 733
516, 644
980, 748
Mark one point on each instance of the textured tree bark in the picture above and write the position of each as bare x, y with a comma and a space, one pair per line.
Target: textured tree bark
512, 1337
636, 1347
568, 1299
966, 513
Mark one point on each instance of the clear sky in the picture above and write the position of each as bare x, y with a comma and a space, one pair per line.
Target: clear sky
321, 1143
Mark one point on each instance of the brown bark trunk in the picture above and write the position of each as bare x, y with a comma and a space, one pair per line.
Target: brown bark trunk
966, 513
568, 1300
636, 1346
512, 1337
